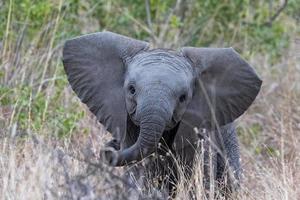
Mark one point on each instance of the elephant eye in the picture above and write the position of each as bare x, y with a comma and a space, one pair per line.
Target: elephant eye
131, 89
182, 98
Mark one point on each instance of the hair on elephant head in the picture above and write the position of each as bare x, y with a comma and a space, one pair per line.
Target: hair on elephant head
121, 79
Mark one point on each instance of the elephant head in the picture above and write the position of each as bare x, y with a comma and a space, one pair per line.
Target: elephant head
118, 78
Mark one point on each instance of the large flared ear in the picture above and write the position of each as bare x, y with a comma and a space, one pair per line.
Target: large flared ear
226, 85
95, 66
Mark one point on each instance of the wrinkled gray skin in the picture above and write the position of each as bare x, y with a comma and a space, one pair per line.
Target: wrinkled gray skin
149, 96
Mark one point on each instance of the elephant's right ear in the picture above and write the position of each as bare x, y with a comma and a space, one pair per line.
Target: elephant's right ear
94, 64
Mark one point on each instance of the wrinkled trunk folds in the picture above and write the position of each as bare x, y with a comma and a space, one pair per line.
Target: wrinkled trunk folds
153, 120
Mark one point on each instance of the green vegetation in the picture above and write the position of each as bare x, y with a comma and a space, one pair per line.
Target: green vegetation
33, 31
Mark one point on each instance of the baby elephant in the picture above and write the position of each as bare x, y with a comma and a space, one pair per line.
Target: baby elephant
162, 101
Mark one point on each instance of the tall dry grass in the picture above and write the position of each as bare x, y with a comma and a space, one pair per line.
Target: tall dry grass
43, 167
271, 155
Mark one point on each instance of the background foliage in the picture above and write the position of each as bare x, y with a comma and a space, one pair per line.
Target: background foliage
32, 28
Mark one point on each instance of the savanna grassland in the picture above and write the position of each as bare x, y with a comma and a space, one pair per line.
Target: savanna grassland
50, 142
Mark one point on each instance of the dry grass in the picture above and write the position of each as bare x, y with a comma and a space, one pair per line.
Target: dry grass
271, 155
40, 166
37, 167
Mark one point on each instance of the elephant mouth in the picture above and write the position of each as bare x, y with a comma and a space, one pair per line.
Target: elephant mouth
133, 119
170, 125
168, 135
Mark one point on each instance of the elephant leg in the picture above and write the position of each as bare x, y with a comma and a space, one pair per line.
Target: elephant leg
229, 168
157, 174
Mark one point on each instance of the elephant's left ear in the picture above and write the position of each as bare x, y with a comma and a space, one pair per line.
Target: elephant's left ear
226, 85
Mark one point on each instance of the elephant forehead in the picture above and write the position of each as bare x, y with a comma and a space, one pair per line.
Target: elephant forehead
163, 59
160, 74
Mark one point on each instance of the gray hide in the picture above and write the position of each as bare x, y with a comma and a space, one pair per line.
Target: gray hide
146, 96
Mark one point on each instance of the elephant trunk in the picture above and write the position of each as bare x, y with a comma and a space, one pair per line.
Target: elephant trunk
152, 124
